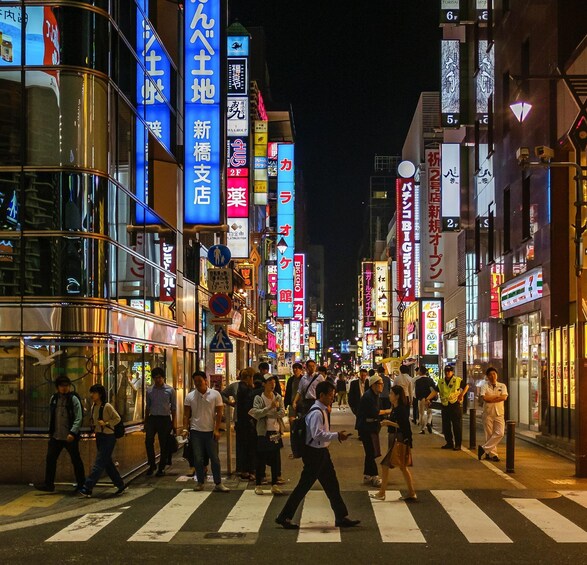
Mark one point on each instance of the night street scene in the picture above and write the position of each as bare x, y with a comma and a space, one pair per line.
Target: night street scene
293, 281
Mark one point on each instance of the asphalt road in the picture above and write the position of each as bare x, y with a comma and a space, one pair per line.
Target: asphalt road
443, 527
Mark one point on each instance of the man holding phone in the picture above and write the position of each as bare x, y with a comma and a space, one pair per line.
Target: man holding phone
317, 463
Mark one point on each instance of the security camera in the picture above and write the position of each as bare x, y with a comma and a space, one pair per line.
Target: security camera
522, 155
544, 153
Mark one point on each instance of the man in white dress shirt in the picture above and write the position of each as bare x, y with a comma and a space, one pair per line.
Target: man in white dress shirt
494, 395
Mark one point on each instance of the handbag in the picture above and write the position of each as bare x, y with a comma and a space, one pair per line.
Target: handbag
172, 444
401, 455
269, 442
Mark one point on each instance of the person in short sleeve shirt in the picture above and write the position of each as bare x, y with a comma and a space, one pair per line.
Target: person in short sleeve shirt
494, 395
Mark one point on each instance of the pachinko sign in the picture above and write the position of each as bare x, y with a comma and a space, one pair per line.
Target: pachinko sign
406, 237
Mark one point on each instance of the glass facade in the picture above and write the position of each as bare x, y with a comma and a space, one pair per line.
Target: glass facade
88, 269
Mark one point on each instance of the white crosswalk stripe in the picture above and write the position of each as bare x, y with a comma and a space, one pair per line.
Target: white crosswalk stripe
396, 521
559, 528
475, 525
170, 519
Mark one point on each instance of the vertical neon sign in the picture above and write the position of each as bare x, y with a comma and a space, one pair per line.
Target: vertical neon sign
285, 230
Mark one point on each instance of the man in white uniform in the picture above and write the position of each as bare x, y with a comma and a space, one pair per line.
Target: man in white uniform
493, 394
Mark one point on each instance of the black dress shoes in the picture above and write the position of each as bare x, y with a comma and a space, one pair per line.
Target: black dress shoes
286, 523
346, 523
480, 452
447, 446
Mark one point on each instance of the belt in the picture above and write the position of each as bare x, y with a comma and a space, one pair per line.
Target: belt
371, 420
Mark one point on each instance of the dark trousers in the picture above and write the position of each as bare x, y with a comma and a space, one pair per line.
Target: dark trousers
369, 467
105, 444
317, 466
452, 423
246, 438
265, 458
415, 410
384, 403
53, 450
160, 426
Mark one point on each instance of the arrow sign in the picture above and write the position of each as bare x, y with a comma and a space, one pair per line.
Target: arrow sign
220, 342
220, 304
219, 255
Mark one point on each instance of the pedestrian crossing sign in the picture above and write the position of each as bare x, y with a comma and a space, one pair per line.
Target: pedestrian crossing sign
220, 342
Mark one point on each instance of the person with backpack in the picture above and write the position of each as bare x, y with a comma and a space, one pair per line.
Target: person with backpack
105, 421
66, 415
318, 464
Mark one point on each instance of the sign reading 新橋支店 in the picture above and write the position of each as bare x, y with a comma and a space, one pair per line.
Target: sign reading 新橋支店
203, 124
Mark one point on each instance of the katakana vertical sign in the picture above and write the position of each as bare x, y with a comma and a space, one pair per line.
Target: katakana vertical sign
285, 230
203, 132
432, 238
154, 115
300, 290
367, 291
406, 237
450, 184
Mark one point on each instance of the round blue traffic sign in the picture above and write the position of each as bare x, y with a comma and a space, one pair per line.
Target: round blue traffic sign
219, 255
220, 304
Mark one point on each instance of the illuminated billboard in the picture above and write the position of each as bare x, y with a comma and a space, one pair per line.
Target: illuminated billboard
203, 124
450, 185
450, 82
381, 291
300, 289
406, 237
450, 11
285, 229
432, 238
485, 81
521, 290
430, 326
367, 294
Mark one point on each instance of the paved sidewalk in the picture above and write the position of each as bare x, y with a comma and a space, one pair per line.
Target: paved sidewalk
536, 469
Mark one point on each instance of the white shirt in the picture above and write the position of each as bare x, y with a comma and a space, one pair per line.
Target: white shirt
305, 384
272, 423
405, 381
493, 408
203, 407
317, 427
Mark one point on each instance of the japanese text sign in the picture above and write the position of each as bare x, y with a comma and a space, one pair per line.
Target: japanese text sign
406, 237
451, 186
285, 230
432, 238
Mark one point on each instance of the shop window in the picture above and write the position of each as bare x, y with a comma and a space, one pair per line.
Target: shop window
11, 114
9, 385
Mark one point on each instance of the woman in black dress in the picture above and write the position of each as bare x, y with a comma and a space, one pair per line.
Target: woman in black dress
399, 455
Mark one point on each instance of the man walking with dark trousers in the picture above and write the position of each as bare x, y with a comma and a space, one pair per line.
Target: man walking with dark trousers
65, 421
160, 415
318, 464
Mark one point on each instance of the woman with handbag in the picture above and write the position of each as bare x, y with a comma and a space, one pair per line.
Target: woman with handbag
399, 454
269, 411
103, 419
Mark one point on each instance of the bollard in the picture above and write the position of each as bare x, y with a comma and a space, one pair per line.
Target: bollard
510, 446
228, 424
473, 429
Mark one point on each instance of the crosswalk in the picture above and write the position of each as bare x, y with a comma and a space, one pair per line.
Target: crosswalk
480, 517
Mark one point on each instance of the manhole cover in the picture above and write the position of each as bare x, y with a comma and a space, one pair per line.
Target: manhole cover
526, 493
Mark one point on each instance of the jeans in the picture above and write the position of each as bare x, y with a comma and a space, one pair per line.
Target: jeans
204, 443
53, 450
160, 426
105, 444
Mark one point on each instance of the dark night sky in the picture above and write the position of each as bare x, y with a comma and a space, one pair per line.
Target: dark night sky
353, 71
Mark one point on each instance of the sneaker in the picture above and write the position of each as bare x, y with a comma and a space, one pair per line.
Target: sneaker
376, 481
429, 428
199, 487
259, 491
264, 481
377, 496
120, 490
422, 433
281, 481
45, 488
367, 479
276, 490
221, 488
84, 493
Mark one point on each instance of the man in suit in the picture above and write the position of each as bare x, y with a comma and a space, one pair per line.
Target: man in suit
356, 390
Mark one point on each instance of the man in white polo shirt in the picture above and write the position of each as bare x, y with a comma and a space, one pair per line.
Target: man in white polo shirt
494, 395
203, 408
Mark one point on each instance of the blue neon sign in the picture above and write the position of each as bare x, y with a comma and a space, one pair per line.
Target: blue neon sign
203, 126
285, 230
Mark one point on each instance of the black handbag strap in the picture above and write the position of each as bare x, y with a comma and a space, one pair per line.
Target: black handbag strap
308, 387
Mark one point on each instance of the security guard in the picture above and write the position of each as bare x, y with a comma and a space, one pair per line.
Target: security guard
451, 392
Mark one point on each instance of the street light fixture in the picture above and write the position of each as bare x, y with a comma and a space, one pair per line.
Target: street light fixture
282, 246
520, 109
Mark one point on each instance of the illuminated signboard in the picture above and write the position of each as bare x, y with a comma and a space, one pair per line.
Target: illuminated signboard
285, 230
167, 282
237, 238
482, 11
449, 11
484, 182
450, 82
237, 198
238, 80
300, 288
272, 159
295, 335
203, 131
430, 326
484, 81
272, 280
237, 115
237, 157
451, 186
432, 238
521, 290
381, 291
406, 237
495, 282
260, 163
153, 88
238, 46
367, 290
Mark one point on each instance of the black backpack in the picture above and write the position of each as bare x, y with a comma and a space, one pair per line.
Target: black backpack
298, 434
118, 429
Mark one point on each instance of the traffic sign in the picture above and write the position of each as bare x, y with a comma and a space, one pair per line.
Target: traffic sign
220, 342
220, 280
221, 321
219, 255
220, 304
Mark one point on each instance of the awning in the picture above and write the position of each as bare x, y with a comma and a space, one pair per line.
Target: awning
245, 337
